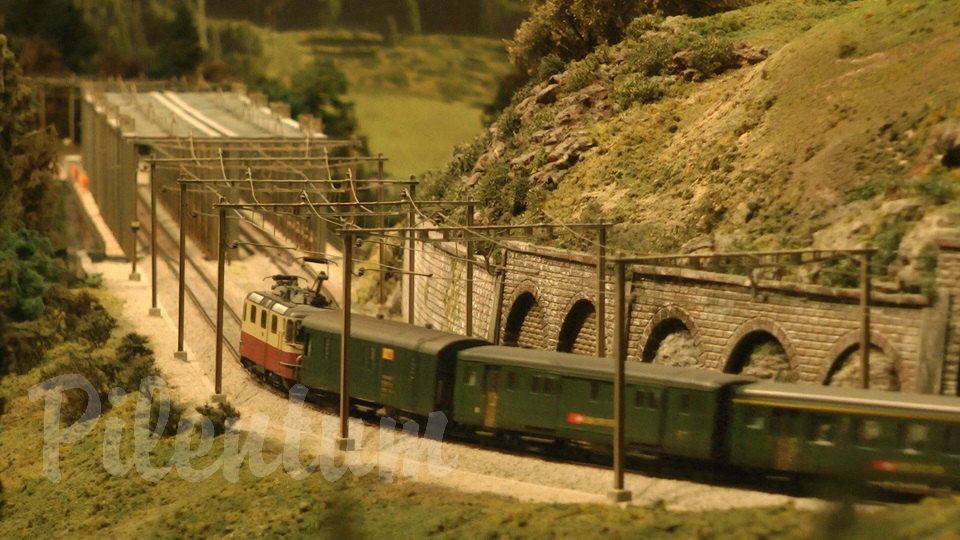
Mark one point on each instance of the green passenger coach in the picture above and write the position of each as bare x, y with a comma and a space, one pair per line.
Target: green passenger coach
395, 365
846, 433
551, 397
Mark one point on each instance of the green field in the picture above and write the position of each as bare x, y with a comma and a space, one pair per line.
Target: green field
415, 133
416, 100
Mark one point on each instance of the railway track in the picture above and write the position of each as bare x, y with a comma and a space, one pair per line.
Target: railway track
168, 251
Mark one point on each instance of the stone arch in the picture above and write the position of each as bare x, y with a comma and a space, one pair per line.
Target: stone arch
666, 321
748, 335
847, 348
525, 320
581, 315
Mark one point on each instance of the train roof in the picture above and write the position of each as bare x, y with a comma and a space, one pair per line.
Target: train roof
274, 302
859, 400
602, 368
389, 333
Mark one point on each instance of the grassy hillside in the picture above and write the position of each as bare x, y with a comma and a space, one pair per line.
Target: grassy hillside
786, 124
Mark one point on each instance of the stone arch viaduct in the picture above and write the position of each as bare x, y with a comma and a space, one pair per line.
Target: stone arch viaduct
547, 298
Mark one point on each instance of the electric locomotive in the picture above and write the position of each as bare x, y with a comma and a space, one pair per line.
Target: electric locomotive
271, 335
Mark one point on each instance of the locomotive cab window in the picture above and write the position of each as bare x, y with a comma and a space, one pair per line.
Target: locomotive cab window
273, 324
244, 316
263, 319
253, 314
288, 334
298, 334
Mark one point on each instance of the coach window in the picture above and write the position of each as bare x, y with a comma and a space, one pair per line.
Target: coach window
253, 314
685, 403
263, 319
783, 422
652, 402
535, 385
471, 377
756, 418
913, 437
867, 432
637, 398
951, 440
822, 430
594, 391
511, 381
548, 387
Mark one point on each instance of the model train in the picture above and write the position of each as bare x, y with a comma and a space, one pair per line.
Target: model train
561, 399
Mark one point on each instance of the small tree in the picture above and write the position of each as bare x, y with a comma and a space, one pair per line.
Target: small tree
411, 13
330, 12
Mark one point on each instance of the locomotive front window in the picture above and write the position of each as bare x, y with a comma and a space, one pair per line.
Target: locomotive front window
273, 324
244, 317
298, 332
263, 319
253, 314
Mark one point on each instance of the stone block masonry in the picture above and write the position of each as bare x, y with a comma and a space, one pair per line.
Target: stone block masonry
546, 298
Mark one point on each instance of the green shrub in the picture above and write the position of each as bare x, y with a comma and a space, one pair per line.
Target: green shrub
635, 88
843, 272
711, 56
582, 73
550, 65
652, 56
222, 416
927, 266
938, 188
887, 241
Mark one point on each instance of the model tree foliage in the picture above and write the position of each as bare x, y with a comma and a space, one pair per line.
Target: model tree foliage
571, 29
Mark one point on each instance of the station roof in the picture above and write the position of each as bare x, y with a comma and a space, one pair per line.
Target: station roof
199, 115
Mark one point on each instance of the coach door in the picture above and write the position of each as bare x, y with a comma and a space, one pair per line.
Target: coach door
491, 385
